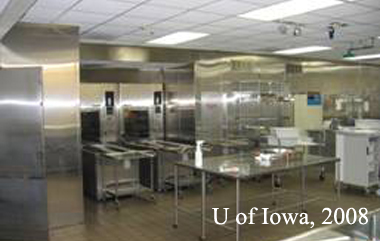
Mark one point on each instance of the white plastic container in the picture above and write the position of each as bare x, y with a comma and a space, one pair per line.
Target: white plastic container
199, 154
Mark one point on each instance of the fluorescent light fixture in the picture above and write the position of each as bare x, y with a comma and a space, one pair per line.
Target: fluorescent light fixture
302, 50
289, 8
177, 38
364, 57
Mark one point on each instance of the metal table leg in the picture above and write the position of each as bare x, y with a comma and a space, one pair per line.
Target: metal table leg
303, 181
176, 206
274, 203
203, 218
338, 184
116, 178
103, 189
237, 207
303, 189
151, 174
373, 228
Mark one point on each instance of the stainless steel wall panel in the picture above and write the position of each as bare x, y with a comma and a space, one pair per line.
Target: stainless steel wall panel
23, 202
20, 125
23, 210
56, 50
180, 104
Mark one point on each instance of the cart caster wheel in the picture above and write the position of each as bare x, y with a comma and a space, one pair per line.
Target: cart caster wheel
202, 239
277, 184
304, 211
175, 226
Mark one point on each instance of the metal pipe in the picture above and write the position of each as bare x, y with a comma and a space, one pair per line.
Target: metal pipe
237, 208
176, 205
203, 218
373, 228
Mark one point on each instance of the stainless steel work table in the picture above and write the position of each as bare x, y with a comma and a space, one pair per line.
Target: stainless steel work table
167, 154
345, 232
119, 157
240, 167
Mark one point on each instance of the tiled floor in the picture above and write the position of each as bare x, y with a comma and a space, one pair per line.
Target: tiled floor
139, 220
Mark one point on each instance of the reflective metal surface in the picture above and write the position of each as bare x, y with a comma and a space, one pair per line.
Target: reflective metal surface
141, 97
55, 50
99, 170
93, 99
246, 165
180, 104
239, 97
22, 176
236, 96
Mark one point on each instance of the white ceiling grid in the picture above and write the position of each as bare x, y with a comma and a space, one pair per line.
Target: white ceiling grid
138, 21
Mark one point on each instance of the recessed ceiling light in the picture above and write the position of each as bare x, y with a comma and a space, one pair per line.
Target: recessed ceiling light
177, 38
364, 57
289, 8
302, 50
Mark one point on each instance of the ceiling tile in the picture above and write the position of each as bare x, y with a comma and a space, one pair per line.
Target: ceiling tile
175, 26
152, 32
76, 17
210, 29
307, 18
106, 31
134, 38
263, 27
235, 22
374, 4
239, 33
57, 4
261, 2
3, 3
154, 12
343, 10
45, 14
36, 19
103, 6
112, 29
197, 17
132, 21
190, 4
372, 18
228, 7
129, 1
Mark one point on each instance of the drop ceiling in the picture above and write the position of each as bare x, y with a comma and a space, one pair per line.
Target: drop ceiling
3, 3
135, 22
